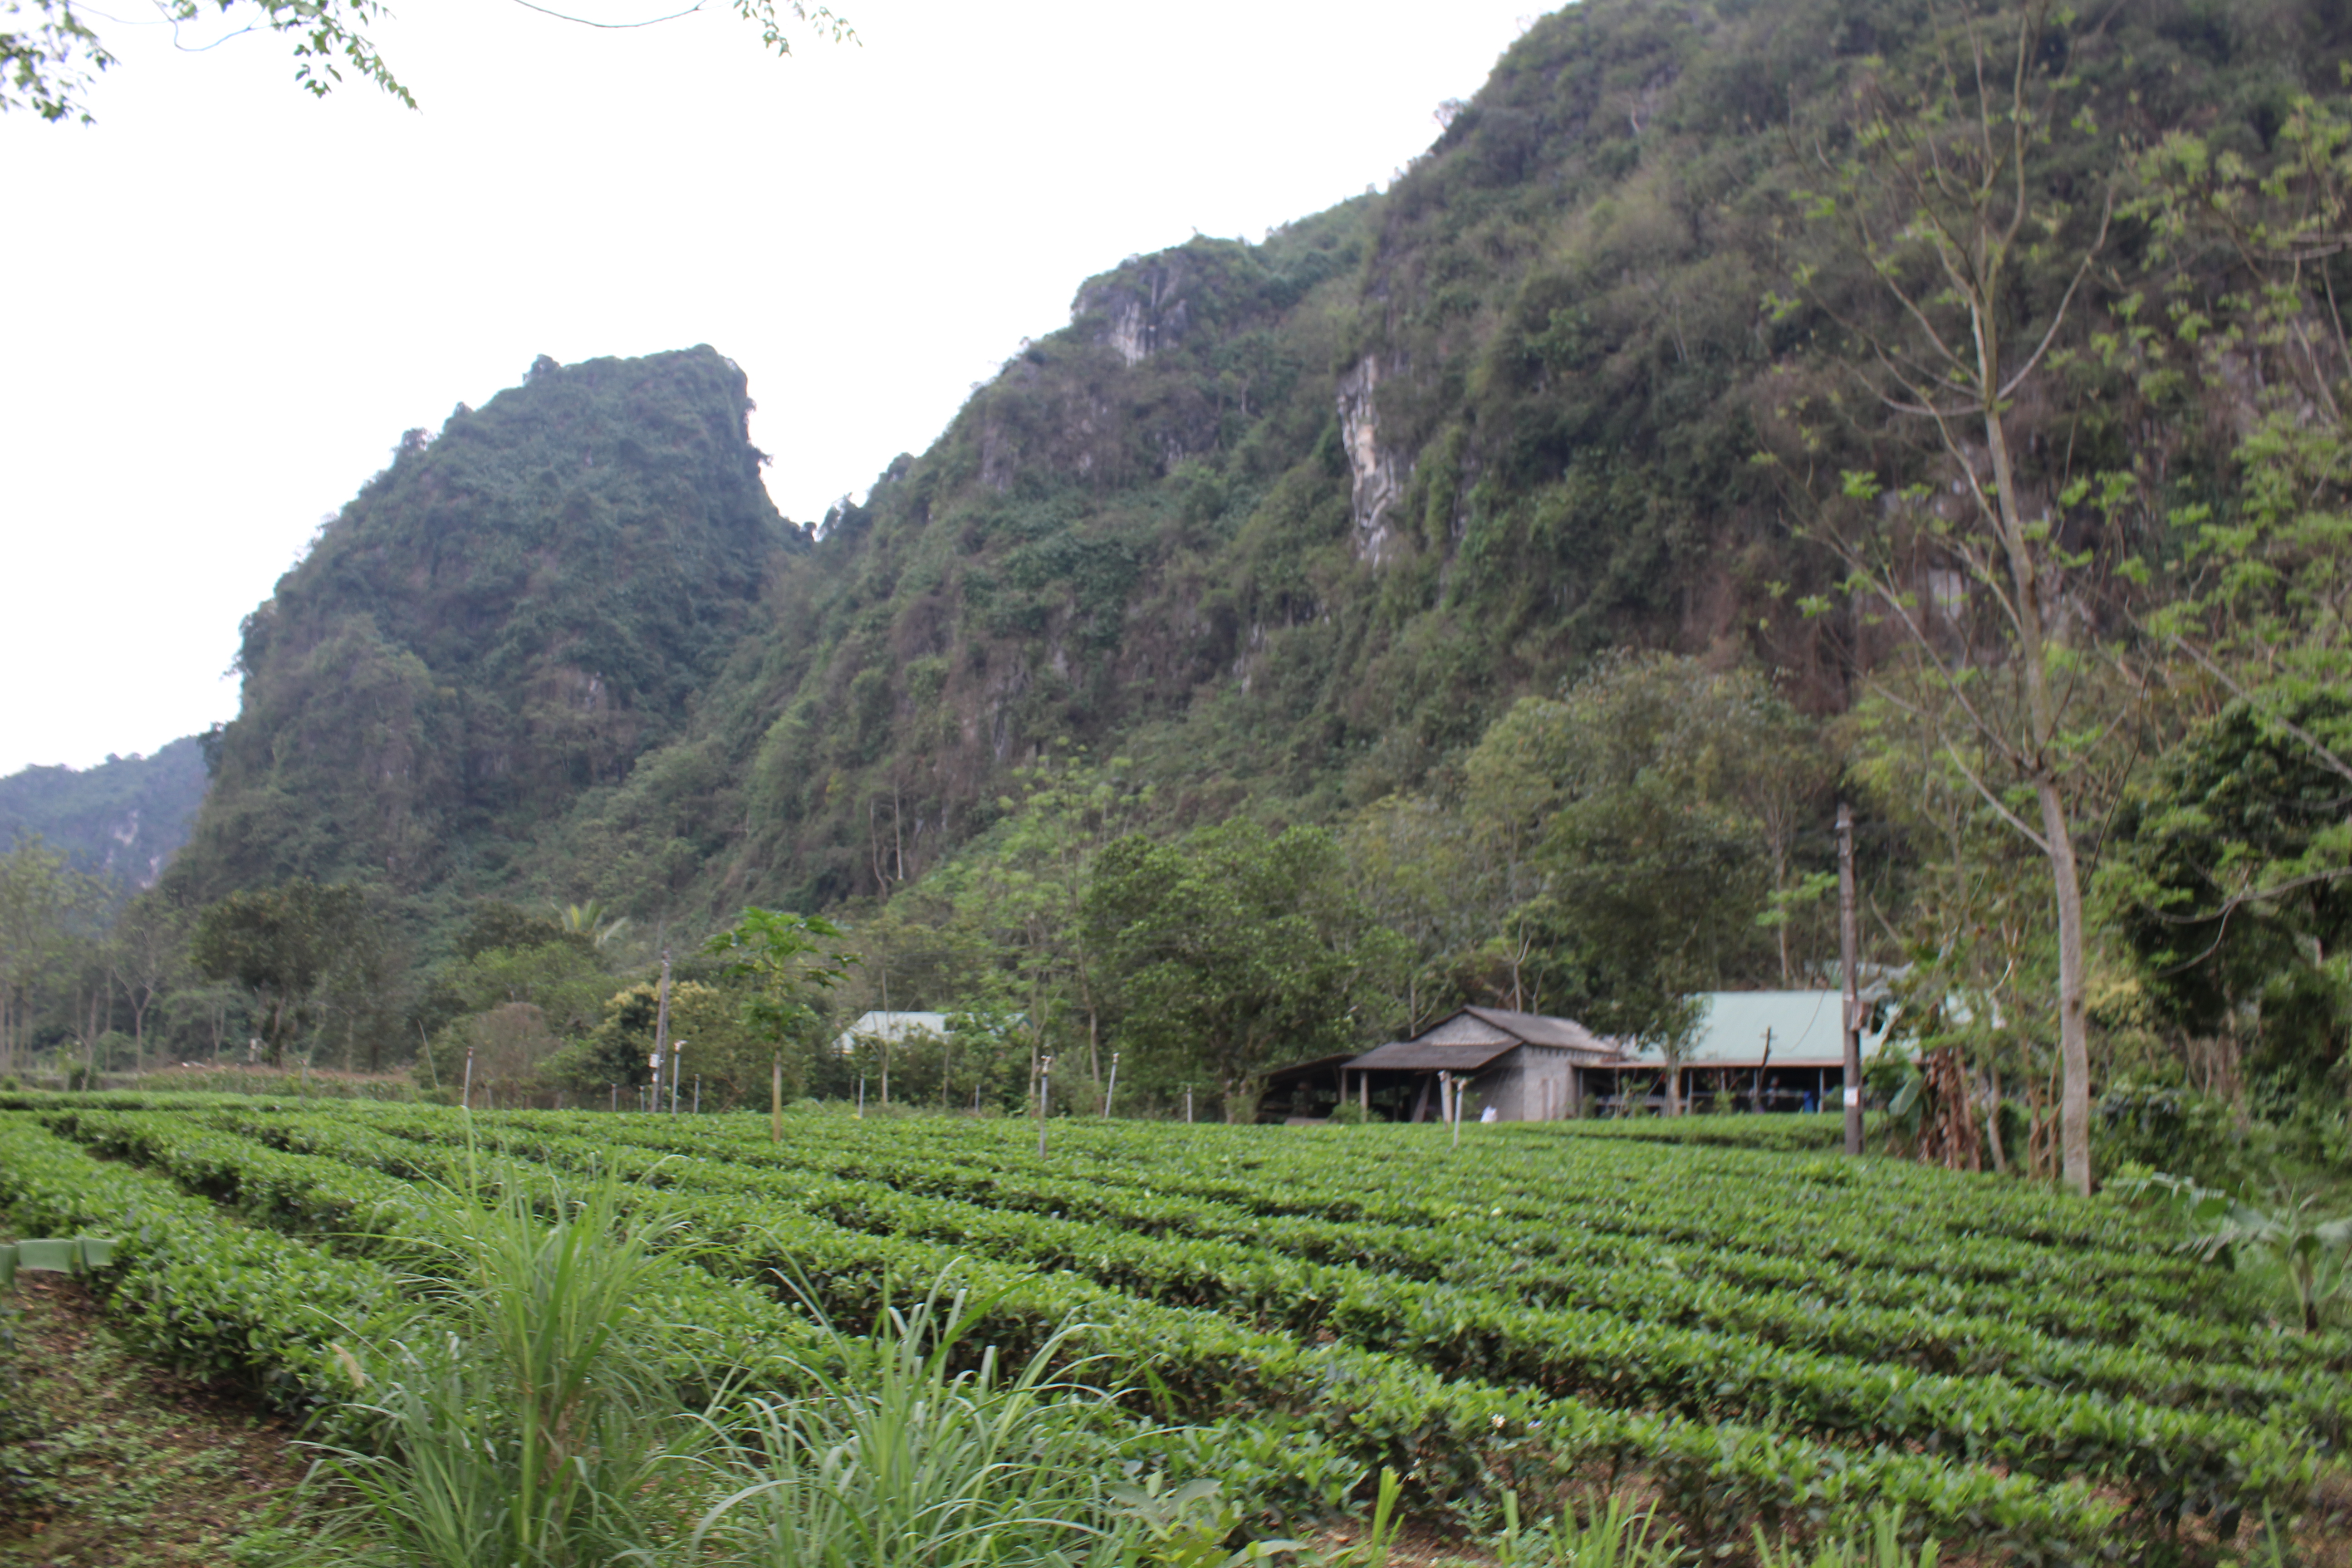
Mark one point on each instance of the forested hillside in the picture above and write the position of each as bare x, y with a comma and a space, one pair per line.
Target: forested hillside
504, 620
1483, 590
121, 820
1292, 522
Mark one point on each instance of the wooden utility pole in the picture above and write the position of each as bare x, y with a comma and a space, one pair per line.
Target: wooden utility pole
1848, 962
661, 1030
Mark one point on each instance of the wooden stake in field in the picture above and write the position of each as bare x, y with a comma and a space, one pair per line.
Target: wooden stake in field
1847, 942
661, 1030
1113, 1088
1044, 1099
466, 1098
776, 1098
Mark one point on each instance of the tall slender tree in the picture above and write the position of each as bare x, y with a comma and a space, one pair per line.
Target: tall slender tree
43, 904
1943, 192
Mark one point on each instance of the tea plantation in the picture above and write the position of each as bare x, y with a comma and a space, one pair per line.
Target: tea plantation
1751, 1337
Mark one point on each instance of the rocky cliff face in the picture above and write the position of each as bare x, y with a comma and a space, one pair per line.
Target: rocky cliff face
1291, 521
122, 820
510, 616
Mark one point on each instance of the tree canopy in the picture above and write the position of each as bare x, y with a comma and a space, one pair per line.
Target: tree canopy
279, 944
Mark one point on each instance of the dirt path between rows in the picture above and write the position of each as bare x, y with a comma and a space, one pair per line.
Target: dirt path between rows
126, 1465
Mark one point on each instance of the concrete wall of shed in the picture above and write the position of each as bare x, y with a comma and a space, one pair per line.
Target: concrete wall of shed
1531, 1084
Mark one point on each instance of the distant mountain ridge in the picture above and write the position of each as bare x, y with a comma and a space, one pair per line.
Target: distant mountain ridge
122, 820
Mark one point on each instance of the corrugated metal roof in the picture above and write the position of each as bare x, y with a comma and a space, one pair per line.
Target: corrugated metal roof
1804, 1026
891, 1028
1464, 1027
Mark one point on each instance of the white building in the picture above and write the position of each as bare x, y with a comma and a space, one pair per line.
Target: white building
892, 1029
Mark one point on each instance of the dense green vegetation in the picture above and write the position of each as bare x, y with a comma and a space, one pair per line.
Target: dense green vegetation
505, 620
1336, 1302
1486, 591
122, 820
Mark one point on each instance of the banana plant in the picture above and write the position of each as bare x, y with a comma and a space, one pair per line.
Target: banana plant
2313, 1251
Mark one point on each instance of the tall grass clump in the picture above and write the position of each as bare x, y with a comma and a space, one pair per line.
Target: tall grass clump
901, 1458
1880, 1546
535, 1420
1613, 1533
536, 1425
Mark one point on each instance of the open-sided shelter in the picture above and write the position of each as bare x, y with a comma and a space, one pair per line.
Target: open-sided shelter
1763, 1050
1526, 1067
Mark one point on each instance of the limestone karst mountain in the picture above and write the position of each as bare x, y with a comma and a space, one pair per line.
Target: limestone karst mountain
1288, 521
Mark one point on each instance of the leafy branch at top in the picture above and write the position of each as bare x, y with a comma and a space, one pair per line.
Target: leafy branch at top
50, 56
788, 958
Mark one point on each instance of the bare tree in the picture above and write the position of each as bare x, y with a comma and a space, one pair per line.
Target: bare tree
1940, 196
148, 951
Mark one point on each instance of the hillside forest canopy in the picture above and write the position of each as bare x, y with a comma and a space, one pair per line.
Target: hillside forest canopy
1482, 592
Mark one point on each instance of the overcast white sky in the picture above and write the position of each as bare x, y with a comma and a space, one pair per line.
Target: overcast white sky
225, 299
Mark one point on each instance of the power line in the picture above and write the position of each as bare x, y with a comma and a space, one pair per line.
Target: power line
610, 27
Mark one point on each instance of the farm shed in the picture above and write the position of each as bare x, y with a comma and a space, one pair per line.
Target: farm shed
890, 1029
1526, 1067
1766, 1051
